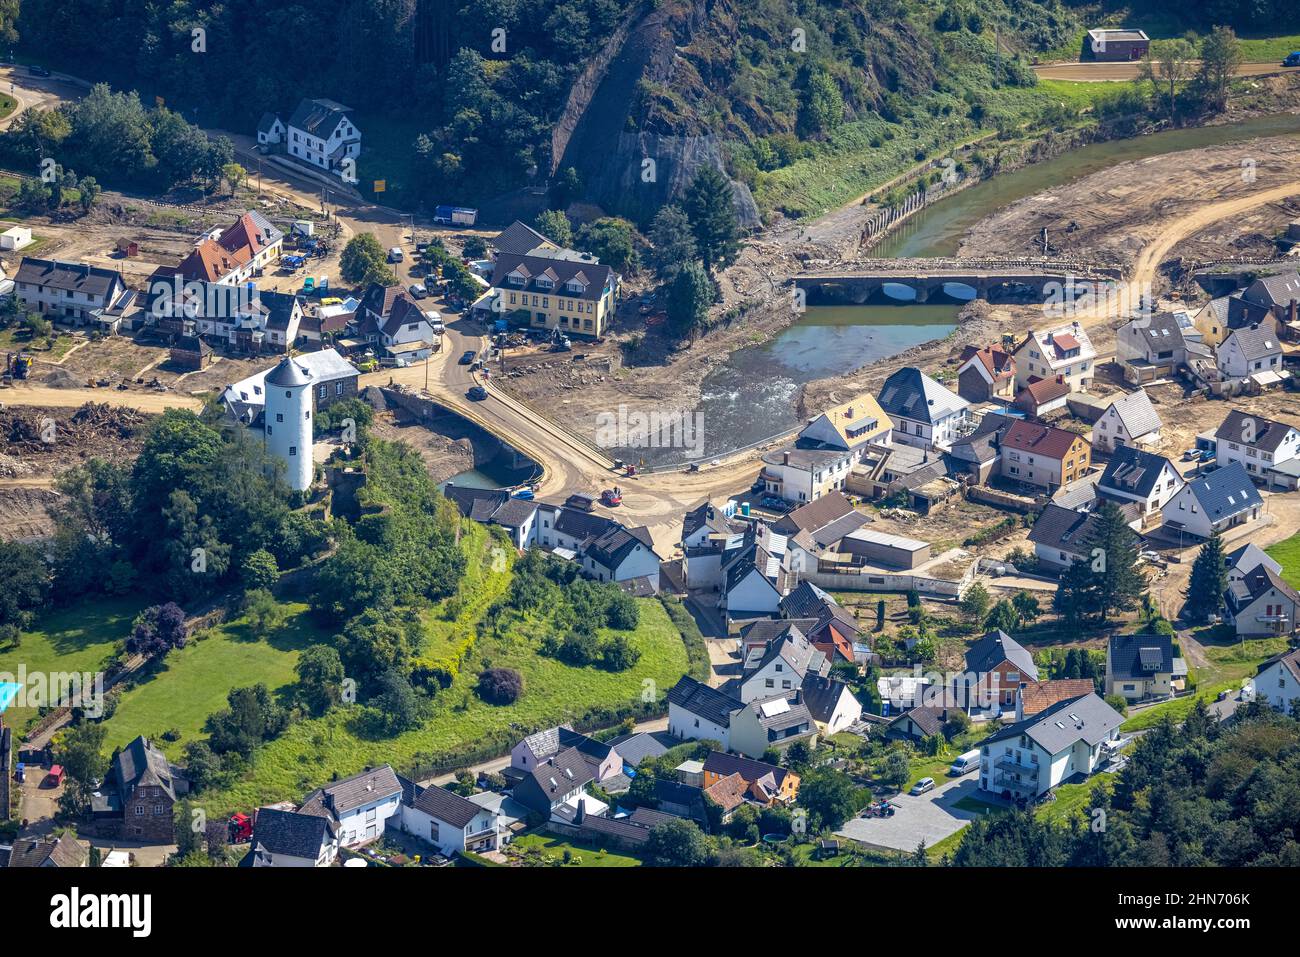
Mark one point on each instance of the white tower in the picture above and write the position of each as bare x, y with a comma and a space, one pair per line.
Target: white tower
288, 420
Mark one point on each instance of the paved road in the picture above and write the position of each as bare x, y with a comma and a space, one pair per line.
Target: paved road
1115, 72
930, 818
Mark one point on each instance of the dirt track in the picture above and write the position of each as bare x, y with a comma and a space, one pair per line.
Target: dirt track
72, 398
1115, 72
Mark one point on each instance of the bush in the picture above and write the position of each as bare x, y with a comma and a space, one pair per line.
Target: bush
500, 686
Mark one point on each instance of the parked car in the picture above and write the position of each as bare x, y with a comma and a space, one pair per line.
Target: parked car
467, 357
773, 502
965, 764
1191, 455
1293, 59
395, 255
477, 393
35, 70
921, 786
418, 291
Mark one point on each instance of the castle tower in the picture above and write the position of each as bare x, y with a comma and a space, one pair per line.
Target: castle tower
288, 420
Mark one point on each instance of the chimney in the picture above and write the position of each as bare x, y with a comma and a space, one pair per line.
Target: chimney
785, 458
581, 812
1295, 310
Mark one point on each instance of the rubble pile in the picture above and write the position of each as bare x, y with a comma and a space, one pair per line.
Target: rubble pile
94, 425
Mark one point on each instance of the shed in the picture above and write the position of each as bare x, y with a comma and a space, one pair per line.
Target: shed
15, 237
127, 247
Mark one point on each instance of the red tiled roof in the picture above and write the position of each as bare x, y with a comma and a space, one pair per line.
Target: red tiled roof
1039, 439
1036, 696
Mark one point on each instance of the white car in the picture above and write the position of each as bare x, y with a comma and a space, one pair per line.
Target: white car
921, 786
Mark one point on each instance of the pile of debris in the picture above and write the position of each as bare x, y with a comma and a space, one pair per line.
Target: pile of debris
95, 424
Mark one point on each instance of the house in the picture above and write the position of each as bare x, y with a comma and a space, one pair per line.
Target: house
978, 454
520, 239
62, 851
755, 575
1060, 535
1029, 758
1252, 354
706, 530
138, 795
769, 784
816, 526
995, 667
919, 723
1064, 351
242, 318
1150, 347
1035, 697
283, 838
497, 507
191, 352
604, 549
323, 134
641, 746
453, 823
1042, 397
533, 750
901, 692
68, 292
1136, 475
1223, 499
1266, 449
805, 475
388, 319
986, 374
1261, 604
1277, 297
1042, 455
831, 704
359, 806
555, 784
781, 666
573, 296
924, 413
1130, 419
1246, 559
697, 712
775, 722
1111, 45
1139, 667
848, 427
270, 130
333, 379
1212, 320
727, 795
1277, 681
226, 256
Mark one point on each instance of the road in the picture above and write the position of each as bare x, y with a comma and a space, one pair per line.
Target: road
1116, 72
39, 395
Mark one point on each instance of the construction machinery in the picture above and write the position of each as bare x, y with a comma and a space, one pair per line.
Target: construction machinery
18, 365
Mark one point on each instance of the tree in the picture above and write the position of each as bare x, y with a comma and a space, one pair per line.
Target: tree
689, 298
1207, 586
975, 603
672, 241
710, 208
678, 843
619, 654
88, 193
896, 770
234, 176
1220, 58
500, 685
554, 225
397, 703
612, 240
26, 580
1105, 578
259, 570
1167, 67
202, 766
251, 718
822, 107
364, 262
475, 247
1026, 606
320, 678
1003, 617
830, 797
158, 629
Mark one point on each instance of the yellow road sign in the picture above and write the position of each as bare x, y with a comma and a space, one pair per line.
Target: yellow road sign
380, 184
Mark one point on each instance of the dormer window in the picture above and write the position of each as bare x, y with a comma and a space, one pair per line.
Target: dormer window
574, 285
544, 283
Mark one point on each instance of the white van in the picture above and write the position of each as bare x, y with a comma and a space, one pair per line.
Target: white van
965, 764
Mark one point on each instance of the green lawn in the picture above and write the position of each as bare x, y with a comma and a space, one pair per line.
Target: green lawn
1287, 554
310, 751
194, 681
1072, 800
584, 855
76, 639
15, 339
1269, 49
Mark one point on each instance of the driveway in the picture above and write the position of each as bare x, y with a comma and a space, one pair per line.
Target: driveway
930, 817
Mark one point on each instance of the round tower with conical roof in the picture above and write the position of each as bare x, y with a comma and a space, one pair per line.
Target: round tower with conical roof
288, 420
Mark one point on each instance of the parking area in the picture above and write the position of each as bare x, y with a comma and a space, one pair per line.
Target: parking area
930, 818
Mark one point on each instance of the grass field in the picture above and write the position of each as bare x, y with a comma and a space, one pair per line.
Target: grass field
194, 681
77, 639
1268, 49
1287, 554
584, 855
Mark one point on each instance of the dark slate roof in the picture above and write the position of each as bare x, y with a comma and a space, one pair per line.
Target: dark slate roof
266, 122
348, 794
817, 514
649, 817
723, 764
37, 851
290, 832
446, 806
1270, 291
636, 747
1290, 660
1268, 434
1062, 529
568, 769
795, 715
1140, 656
279, 308
70, 277
1087, 718
806, 601
706, 515
594, 276
911, 394
319, 117
1225, 492
994, 648
929, 719
1259, 580
700, 699
140, 763
1257, 341
1133, 471
518, 238
821, 695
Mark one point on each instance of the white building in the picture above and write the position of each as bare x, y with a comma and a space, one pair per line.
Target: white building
1031, 757
1252, 352
288, 422
321, 132
358, 806
1259, 445
1130, 419
697, 712
1278, 680
452, 823
805, 475
1064, 351
1223, 499
781, 666
1135, 475
924, 413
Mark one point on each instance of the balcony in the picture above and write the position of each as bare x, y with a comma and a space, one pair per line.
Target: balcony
1011, 784
1015, 767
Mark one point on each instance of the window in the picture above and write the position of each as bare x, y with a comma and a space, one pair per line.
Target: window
338, 388
279, 416
139, 810
157, 808
293, 450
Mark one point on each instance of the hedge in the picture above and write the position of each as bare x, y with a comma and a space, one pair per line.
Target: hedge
697, 652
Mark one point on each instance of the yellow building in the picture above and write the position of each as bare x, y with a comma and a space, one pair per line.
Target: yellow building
851, 426
565, 291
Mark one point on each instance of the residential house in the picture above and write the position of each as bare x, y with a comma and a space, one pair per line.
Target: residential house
497, 507
520, 239
69, 292
453, 823
138, 795
1277, 681
1064, 351
995, 667
978, 454
1212, 321
727, 795
323, 134
573, 296
283, 838
755, 575
848, 427
986, 374
697, 712
1277, 297
1150, 347
556, 784
781, 666
706, 530
227, 256
1246, 559
1261, 604
639, 746
769, 784
1136, 475
533, 750
1041, 397
1043, 455
831, 704
1060, 535
805, 475
924, 413
1139, 667
900, 693
390, 321
333, 379
1266, 449
1252, 356
1130, 420
604, 549
1035, 697
1029, 758
241, 318
270, 130
358, 806
924, 721
775, 722
1223, 499
48, 851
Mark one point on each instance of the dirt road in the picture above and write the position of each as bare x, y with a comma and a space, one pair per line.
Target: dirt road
1117, 72
74, 398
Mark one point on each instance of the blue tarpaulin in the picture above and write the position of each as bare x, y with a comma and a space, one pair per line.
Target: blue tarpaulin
8, 691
